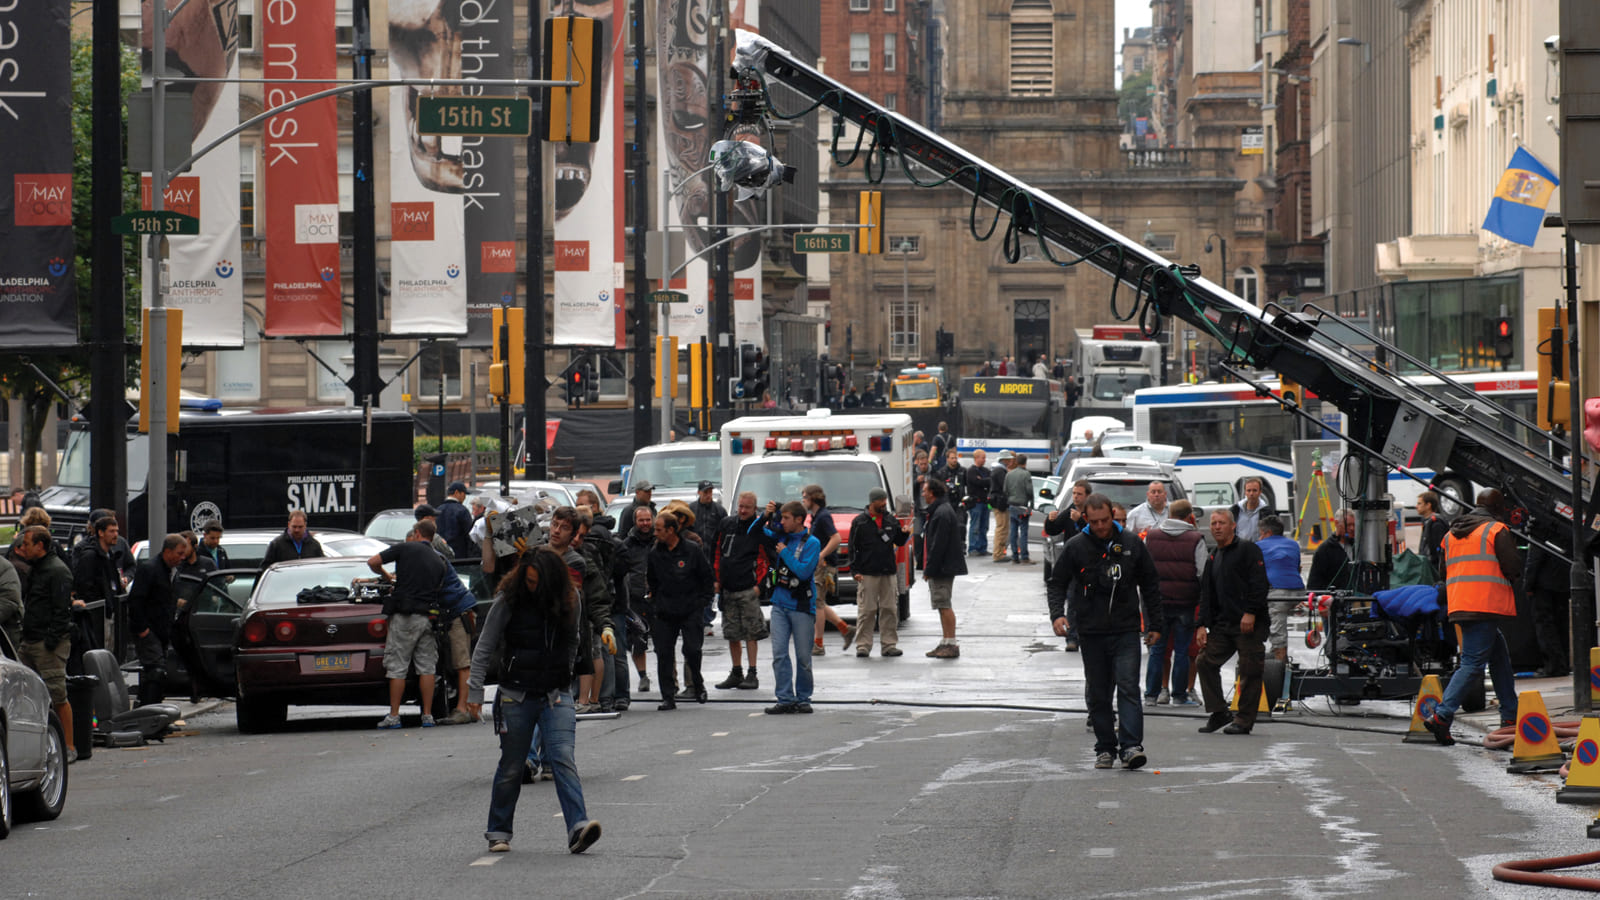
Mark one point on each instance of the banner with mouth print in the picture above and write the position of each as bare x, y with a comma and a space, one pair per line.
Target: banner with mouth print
300, 149
428, 176
206, 281
38, 290
588, 265
490, 194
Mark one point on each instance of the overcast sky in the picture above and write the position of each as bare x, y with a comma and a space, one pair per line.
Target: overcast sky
1130, 14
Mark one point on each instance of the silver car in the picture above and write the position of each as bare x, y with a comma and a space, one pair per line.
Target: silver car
33, 748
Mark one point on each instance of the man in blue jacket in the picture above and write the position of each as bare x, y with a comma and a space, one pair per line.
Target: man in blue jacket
794, 607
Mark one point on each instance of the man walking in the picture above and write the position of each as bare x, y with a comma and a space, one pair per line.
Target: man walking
1481, 564
740, 542
1069, 522
793, 606
1106, 584
977, 502
453, 521
1179, 552
1019, 496
1248, 513
418, 572
47, 622
152, 604
1233, 619
943, 562
999, 502
874, 535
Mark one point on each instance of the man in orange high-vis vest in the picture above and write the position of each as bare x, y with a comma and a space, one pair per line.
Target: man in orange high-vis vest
1481, 563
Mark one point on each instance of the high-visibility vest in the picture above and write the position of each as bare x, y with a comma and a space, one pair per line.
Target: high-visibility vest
1473, 580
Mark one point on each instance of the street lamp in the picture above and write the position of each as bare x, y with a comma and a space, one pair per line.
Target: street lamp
905, 284
1224, 243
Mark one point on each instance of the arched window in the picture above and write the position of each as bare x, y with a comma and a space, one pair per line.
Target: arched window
1032, 48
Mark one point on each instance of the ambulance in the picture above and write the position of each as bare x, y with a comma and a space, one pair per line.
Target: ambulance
848, 455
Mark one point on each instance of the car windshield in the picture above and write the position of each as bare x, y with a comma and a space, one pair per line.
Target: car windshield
1117, 385
845, 482
75, 461
281, 586
914, 390
1208, 494
678, 469
992, 419
1130, 492
392, 528
361, 546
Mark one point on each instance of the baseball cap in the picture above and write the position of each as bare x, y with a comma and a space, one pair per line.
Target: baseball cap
425, 511
457, 486
707, 485
876, 494
643, 485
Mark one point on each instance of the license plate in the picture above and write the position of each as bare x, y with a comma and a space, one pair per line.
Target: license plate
331, 662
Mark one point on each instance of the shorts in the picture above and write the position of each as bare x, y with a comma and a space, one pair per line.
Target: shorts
741, 615
410, 640
827, 583
460, 645
50, 664
939, 590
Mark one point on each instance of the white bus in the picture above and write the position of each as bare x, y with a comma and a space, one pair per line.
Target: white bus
1230, 434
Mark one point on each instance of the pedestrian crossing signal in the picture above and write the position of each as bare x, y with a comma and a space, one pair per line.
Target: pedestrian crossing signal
572, 52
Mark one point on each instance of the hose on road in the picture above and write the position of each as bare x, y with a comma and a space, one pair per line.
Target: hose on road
1537, 872
1505, 736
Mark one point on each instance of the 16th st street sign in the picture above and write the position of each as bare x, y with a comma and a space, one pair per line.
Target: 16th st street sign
822, 242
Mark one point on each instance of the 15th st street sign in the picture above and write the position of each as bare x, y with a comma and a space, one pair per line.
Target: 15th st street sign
148, 222
475, 116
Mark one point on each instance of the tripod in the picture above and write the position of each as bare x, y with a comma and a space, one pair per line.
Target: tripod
1323, 527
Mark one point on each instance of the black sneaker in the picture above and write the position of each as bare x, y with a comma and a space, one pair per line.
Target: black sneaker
1235, 728
735, 679
1217, 720
1439, 728
750, 682
584, 837
1133, 757
804, 708
782, 709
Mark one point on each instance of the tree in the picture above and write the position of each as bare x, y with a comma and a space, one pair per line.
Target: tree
70, 369
1133, 98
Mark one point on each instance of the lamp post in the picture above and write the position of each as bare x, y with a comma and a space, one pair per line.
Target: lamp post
905, 285
1223, 281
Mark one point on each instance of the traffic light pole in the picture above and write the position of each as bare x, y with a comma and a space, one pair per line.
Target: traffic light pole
722, 302
641, 215
108, 418
1580, 610
534, 386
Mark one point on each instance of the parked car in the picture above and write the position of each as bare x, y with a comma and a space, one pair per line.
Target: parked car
391, 525
33, 747
675, 470
247, 547
1122, 481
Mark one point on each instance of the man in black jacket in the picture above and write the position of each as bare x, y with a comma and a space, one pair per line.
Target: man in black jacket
632, 555
739, 543
874, 535
95, 576
942, 562
1106, 585
681, 584
152, 604
1333, 566
454, 521
418, 572
1434, 531
1233, 619
977, 503
708, 513
294, 543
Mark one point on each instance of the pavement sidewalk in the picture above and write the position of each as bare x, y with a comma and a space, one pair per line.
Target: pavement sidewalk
1556, 693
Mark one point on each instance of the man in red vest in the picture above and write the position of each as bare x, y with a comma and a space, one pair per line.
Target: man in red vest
1481, 564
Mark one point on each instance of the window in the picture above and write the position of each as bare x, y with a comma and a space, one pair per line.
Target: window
905, 329
1247, 286
888, 52
445, 355
888, 5
860, 52
903, 243
891, 101
1032, 48
1138, 64
861, 5
239, 371
341, 356
1165, 244
247, 191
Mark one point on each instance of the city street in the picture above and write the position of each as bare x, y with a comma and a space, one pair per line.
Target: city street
915, 778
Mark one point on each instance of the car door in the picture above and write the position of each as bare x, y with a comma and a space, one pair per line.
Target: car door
209, 622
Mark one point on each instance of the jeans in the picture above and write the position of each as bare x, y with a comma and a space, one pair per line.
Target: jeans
1111, 662
1481, 643
978, 529
558, 725
152, 668
614, 686
1019, 536
1177, 629
664, 634
792, 629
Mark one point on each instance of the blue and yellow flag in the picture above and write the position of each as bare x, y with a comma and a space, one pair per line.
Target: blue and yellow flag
1517, 211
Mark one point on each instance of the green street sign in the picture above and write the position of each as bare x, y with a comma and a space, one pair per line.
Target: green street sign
668, 297
475, 116
147, 222
822, 242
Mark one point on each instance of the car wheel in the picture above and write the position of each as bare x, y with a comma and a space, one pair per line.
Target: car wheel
1455, 496
255, 715
5, 788
45, 802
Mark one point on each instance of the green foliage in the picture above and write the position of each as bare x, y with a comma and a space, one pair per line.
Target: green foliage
453, 443
1133, 98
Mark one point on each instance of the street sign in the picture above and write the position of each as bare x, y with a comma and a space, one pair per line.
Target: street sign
475, 116
669, 297
822, 242
148, 222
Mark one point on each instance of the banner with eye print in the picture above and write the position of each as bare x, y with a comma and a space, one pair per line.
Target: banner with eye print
427, 177
588, 203
38, 287
206, 279
300, 159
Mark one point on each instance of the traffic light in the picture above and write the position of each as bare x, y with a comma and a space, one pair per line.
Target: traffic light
591, 383
1503, 338
572, 51
506, 381
870, 238
751, 381
575, 387
1555, 400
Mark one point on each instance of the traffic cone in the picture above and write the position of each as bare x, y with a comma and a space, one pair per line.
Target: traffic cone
1233, 704
1583, 772
1536, 749
1428, 697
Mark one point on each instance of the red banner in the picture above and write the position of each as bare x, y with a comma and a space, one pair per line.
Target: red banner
301, 182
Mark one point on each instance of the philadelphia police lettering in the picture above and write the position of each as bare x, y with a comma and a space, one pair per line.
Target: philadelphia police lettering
321, 493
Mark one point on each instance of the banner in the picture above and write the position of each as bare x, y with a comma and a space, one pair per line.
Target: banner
205, 278
301, 180
490, 199
38, 290
428, 175
589, 287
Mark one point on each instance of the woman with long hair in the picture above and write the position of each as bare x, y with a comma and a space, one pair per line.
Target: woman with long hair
531, 637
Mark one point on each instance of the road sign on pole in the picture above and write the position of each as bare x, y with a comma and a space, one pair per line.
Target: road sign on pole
822, 242
475, 116
152, 222
669, 297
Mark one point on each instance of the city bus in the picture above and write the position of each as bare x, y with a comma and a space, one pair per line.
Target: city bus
1229, 433
1022, 415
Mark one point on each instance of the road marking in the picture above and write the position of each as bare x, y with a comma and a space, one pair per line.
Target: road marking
719, 734
255, 771
1102, 852
634, 778
168, 797
484, 861
324, 753
683, 753
1109, 804
757, 714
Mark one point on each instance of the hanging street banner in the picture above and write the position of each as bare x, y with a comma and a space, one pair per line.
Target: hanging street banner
207, 282
300, 150
38, 288
588, 200
427, 177
489, 175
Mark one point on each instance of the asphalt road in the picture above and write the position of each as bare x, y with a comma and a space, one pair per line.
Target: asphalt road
915, 778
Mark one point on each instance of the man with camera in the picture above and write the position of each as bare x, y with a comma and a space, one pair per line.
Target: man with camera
1106, 584
794, 606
